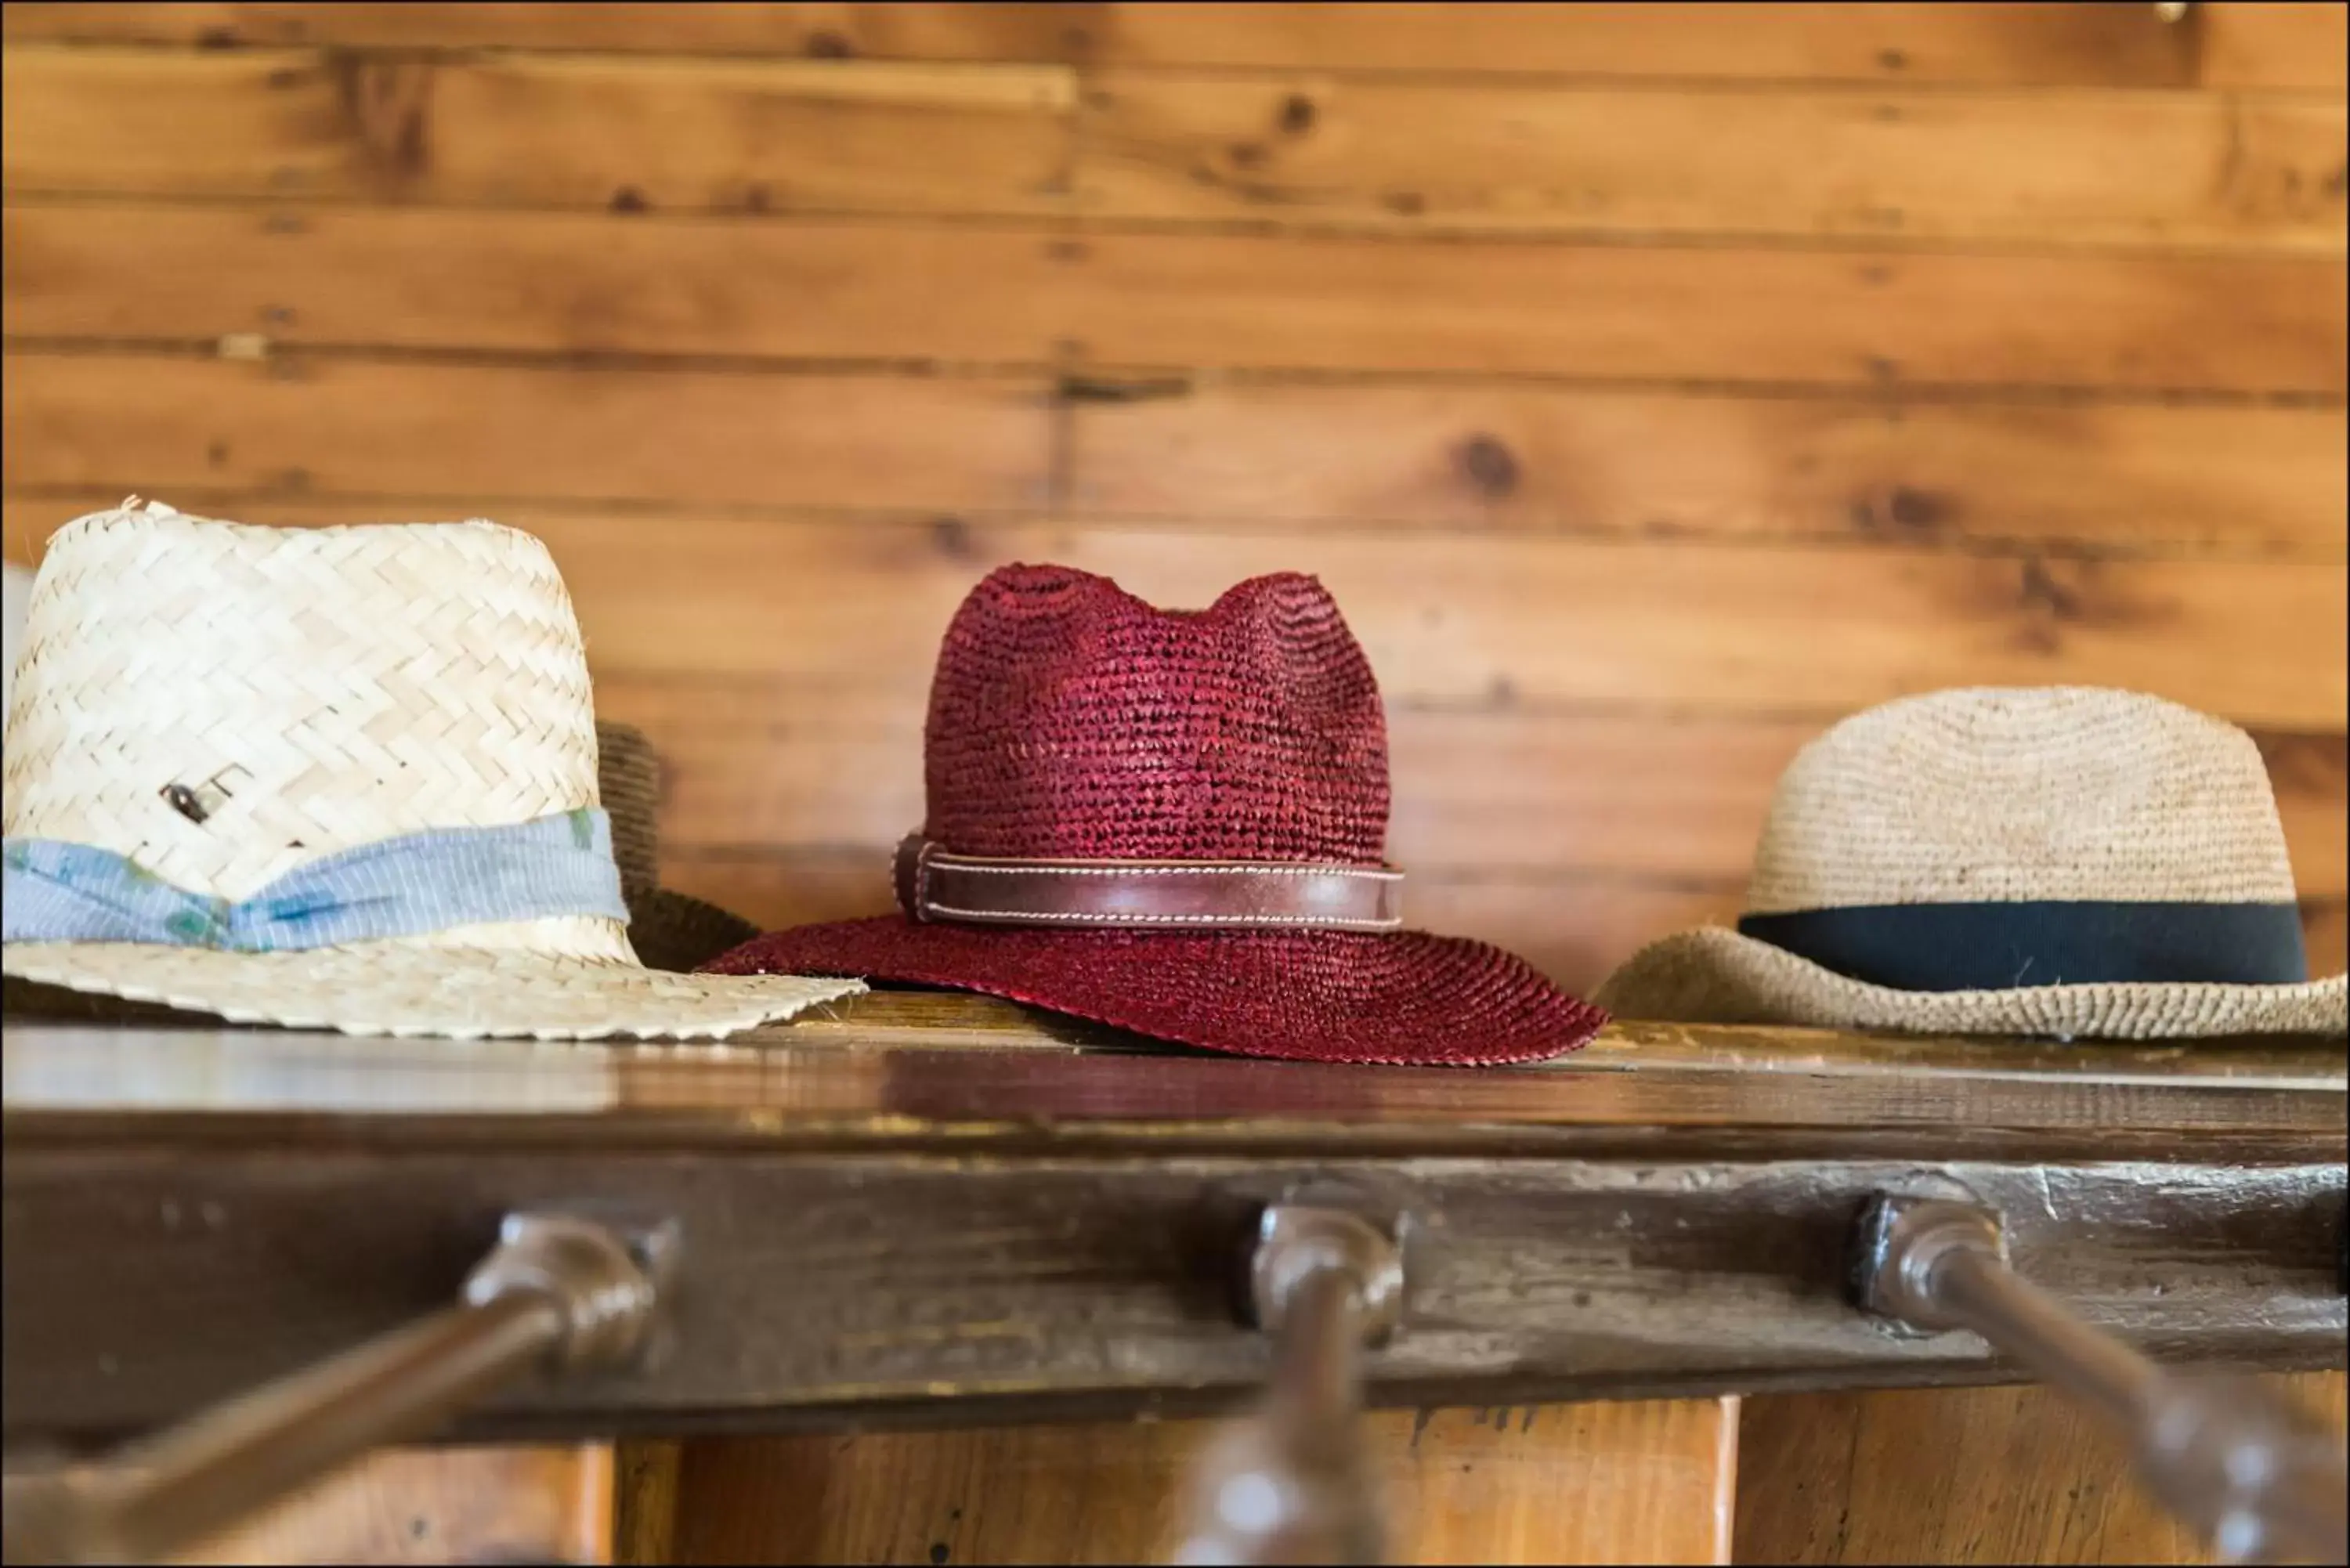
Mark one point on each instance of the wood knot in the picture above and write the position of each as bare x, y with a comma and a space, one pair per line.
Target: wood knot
951, 537
389, 103
1487, 465
2043, 593
1905, 510
1076, 389
1297, 114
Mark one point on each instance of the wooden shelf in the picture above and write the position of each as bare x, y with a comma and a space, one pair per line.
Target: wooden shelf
926, 1209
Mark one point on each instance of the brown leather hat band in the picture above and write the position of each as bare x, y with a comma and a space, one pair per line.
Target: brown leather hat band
1146, 895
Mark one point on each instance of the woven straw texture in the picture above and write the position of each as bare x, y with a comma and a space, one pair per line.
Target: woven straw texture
1068, 719
1986, 795
1720, 976
309, 690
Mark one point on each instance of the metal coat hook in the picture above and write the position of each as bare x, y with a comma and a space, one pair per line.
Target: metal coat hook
2247, 1468
557, 1293
1291, 1485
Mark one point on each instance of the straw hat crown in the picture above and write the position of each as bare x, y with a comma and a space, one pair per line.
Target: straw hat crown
219, 705
1992, 795
222, 703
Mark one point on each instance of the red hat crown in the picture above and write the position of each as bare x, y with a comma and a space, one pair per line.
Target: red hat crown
1070, 720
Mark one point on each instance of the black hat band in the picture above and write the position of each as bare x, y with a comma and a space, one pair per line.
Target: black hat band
2009, 946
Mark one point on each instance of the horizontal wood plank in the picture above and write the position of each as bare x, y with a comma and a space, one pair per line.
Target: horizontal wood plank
2040, 45
700, 135
1509, 792
838, 290
1540, 459
2231, 44
2240, 323
981, 31
1736, 628
535, 132
1636, 1482
480, 1504
1501, 460
2029, 169
161, 423
1724, 629
1854, 1478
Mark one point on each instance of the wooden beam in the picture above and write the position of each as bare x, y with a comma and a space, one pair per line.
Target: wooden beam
1091, 1287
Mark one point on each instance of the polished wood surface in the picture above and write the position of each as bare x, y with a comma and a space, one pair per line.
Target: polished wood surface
549, 1505
1973, 1475
894, 1069
1617, 1482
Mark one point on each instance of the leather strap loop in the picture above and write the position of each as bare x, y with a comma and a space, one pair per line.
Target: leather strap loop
1146, 895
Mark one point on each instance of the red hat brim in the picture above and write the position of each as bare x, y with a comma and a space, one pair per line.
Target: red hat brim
1410, 998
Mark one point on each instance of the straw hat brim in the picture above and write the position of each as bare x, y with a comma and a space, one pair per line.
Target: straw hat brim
447, 991
1716, 975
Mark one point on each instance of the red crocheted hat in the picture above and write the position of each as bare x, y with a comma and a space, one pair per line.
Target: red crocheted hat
1175, 822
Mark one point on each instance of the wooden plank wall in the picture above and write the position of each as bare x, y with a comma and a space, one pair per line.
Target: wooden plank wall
1652, 386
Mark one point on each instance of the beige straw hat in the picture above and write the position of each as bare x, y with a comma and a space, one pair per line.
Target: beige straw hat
214, 712
2064, 861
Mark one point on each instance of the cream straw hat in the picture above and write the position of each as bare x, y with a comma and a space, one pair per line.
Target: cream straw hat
208, 711
2062, 861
